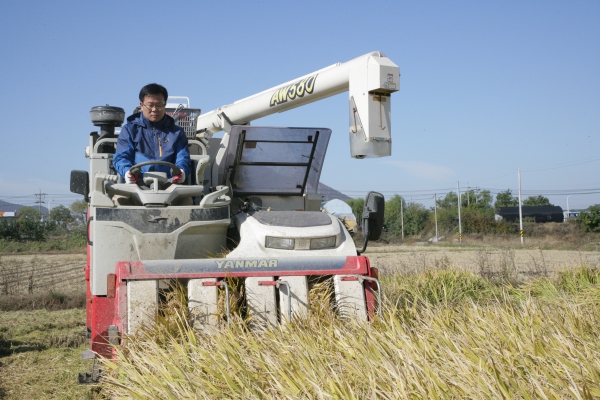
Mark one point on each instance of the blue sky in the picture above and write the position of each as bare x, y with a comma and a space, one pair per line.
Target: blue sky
486, 87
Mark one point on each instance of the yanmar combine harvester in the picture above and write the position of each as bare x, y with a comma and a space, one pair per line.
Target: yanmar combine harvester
256, 213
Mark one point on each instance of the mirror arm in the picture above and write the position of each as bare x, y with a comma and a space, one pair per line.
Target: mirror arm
365, 230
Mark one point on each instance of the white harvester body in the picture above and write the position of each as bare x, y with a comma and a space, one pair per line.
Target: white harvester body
256, 213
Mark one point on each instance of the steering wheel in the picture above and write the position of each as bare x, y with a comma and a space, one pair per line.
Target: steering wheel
137, 168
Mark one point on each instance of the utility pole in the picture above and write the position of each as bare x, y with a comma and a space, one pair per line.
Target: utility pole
435, 205
459, 221
520, 208
39, 202
402, 216
468, 195
49, 207
568, 209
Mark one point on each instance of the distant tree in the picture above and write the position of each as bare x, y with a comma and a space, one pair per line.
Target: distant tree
29, 224
61, 215
8, 230
449, 201
589, 219
28, 213
393, 215
357, 206
537, 201
480, 200
484, 199
467, 198
506, 199
79, 208
415, 218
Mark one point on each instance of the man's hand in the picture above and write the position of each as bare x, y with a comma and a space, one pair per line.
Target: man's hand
129, 178
179, 178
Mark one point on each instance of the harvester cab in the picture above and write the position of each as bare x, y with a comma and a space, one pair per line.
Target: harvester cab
255, 217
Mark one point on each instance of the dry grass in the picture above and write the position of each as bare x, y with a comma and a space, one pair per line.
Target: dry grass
40, 354
444, 334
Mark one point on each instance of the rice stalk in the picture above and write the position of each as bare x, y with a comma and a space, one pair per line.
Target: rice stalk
442, 335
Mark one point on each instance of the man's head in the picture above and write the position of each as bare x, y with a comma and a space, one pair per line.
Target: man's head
153, 98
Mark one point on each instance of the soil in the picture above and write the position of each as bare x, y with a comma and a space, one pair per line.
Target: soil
478, 259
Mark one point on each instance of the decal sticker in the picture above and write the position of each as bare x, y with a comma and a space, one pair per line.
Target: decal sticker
246, 263
291, 92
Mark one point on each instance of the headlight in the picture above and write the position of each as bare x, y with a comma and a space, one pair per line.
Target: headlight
322, 243
279, 243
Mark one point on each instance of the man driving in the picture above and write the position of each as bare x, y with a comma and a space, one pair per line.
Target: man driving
151, 135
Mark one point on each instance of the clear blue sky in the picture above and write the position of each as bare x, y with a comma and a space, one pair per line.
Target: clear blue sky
486, 87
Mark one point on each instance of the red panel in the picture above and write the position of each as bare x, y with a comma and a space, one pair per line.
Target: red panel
370, 288
88, 298
111, 281
103, 313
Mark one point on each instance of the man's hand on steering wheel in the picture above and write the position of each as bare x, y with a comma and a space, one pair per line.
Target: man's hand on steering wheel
130, 178
179, 178
132, 175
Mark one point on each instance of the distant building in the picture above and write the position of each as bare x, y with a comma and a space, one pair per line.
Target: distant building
571, 214
8, 216
538, 213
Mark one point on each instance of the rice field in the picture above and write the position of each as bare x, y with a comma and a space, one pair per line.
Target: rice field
444, 334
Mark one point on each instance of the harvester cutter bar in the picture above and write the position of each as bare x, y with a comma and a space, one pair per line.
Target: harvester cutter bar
243, 268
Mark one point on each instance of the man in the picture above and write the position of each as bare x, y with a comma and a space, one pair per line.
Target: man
151, 135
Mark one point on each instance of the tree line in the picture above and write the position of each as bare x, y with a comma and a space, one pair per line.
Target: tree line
29, 225
477, 216
477, 208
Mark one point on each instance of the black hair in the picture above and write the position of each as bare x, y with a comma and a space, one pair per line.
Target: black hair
153, 89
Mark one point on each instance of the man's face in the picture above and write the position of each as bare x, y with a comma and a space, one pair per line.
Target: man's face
153, 107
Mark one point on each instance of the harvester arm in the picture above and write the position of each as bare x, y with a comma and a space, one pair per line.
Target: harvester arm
370, 79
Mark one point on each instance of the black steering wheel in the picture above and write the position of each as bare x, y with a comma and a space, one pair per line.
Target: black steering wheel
137, 168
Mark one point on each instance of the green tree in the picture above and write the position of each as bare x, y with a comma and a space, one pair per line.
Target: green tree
29, 214
79, 208
357, 206
448, 202
589, 219
476, 200
506, 199
61, 215
393, 215
415, 218
9, 230
537, 201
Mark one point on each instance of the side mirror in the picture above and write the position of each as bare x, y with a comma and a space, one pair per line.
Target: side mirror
373, 216
80, 183
373, 213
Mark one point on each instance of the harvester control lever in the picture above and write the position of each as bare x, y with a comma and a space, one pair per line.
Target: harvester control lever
226, 286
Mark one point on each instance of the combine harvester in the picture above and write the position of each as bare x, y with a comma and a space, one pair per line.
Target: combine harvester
256, 215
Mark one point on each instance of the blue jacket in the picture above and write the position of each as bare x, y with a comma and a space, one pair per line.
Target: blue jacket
141, 140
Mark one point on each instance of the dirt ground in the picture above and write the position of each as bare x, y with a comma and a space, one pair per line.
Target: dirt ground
525, 262
21, 274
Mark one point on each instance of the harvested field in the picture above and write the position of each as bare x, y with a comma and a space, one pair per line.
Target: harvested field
521, 264
422, 347
27, 274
